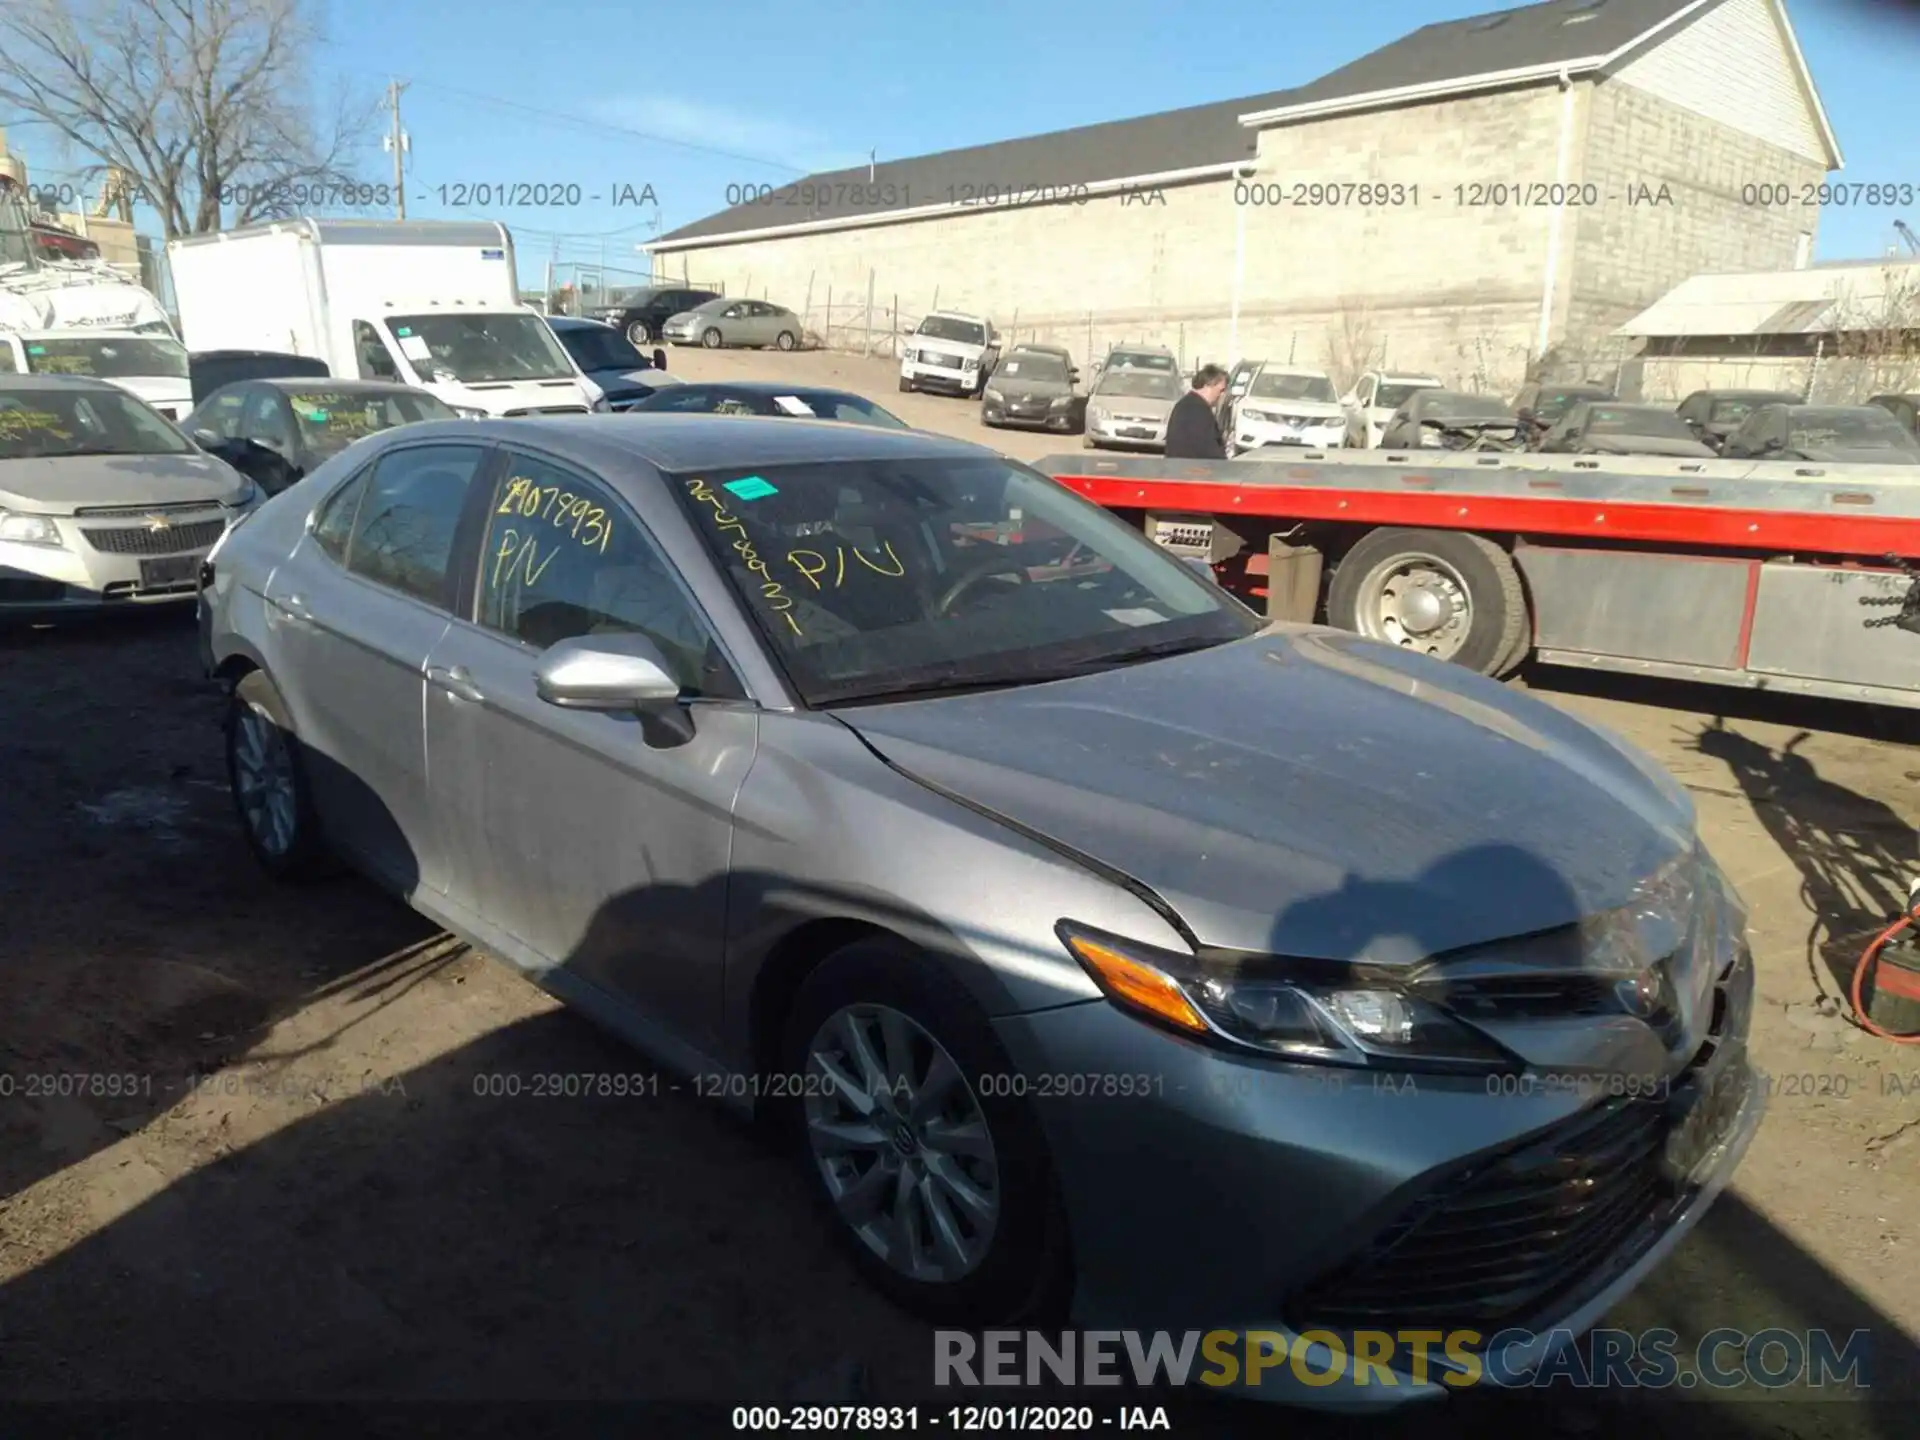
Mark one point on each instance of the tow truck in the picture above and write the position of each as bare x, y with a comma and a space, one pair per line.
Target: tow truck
1732, 572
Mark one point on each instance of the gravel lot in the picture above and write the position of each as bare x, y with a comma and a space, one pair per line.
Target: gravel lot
332, 1212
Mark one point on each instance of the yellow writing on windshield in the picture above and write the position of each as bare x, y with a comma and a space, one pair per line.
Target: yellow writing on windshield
32, 422
573, 515
820, 563
724, 520
63, 364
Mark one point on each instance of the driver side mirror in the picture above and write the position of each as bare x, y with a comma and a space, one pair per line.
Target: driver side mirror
615, 674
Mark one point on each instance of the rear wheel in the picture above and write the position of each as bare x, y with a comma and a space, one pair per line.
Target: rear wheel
785, 341
269, 784
941, 1191
1445, 593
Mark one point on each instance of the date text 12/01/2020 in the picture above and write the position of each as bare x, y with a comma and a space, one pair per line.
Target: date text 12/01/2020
456, 195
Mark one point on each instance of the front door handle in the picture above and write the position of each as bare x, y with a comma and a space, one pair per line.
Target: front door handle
456, 681
294, 606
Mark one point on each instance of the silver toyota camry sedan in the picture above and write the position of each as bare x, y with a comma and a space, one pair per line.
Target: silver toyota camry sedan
1096, 944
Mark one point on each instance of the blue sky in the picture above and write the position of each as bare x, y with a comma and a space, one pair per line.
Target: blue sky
690, 99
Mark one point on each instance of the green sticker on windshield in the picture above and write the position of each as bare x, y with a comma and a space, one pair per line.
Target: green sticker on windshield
403, 329
318, 417
36, 349
751, 487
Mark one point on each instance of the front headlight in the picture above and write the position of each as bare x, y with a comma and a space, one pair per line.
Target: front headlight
1062, 402
995, 396
30, 530
1323, 1014
249, 495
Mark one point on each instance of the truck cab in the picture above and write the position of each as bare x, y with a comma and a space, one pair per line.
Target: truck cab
481, 362
152, 366
951, 353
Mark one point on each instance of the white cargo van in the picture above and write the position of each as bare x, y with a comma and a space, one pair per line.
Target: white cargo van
152, 366
432, 303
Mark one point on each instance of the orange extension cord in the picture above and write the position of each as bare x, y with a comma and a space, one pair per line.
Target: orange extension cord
1868, 958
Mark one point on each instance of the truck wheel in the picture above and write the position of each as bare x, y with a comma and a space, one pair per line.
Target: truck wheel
638, 334
711, 339
906, 385
1445, 593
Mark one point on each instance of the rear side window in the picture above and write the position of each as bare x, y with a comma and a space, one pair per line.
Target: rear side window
404, 532
333, 526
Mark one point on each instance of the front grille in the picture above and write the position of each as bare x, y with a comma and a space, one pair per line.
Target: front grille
940, 358
548, 410
173, 540
142, 512
132, 590
1501, 1241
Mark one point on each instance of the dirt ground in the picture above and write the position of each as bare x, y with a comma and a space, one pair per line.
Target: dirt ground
245, 1153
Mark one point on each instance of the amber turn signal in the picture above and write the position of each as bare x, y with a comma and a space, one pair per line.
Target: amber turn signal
1132, 983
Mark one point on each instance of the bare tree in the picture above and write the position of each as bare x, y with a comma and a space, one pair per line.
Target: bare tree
205, 105
1353, 346
1876, 338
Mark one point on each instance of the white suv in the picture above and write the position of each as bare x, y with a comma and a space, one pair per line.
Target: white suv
951, 353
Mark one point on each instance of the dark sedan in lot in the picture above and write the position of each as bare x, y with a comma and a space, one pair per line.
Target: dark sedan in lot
642, 314
1035, 387
275, 431
1846, 434
1606, 427
1116, 953
1713, 415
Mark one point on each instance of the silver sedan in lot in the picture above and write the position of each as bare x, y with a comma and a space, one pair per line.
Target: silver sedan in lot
102, 501
1095, 943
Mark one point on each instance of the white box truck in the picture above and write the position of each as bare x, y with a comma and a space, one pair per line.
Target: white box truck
432, 303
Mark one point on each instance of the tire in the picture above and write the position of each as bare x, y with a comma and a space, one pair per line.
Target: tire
1514, 658
906, 385
712, 339
256, 727
639, 333
1023, 1266
1470, 585
784, 340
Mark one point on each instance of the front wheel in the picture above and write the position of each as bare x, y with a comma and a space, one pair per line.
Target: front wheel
906, 385
639, 333
1445, 593
269, 784
711, 339
939, 1187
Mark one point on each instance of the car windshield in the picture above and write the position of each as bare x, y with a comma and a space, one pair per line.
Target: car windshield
595, 348
1552, 404
107, 356
1028, 365
1139, 384
1865, 428
42, 423
1272, 385
475, 349
331, 420
1647, 420
1392, 397
960, 332
1736, 408
884, 577
1465, 407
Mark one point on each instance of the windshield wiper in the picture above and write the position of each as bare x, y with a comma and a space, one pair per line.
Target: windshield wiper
1113, 659
953, 686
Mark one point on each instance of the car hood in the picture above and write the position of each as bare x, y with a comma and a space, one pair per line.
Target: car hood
58, 485
1319, 409
1308, 793
1647, 445
965, 349
1133, 404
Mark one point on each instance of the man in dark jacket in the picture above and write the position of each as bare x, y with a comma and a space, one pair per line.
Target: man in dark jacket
1192, 431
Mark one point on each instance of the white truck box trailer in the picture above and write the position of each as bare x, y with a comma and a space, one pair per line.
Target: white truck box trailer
432, 303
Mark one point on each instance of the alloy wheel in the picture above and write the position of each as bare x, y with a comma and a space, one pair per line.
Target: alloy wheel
901, 1143
263, 780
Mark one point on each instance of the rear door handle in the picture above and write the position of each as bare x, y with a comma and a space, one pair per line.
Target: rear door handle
455, 681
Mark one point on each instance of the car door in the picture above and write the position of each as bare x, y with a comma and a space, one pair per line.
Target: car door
352, 614
599, 851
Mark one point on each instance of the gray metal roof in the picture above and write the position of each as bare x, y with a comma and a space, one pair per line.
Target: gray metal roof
1203, 135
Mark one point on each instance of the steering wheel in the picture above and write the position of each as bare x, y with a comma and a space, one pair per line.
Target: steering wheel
964, 582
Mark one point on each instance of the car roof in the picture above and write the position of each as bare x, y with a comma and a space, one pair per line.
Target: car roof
577, 322
1394, 377
1748, 394
676, 442
1138, 350
333, 383
1039, 349
59, 382
770, 387
1266, 369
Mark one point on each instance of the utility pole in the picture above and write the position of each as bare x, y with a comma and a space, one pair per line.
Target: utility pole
397, 142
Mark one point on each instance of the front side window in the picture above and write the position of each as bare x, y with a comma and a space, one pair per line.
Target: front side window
1392, 397
597, 348
875, 578
375, 362
268, 422
563, 557
403, 534
330, 420
221, 413
50, 423
333, 525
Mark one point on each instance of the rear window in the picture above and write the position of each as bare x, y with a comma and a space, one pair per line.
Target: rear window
1647, 420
